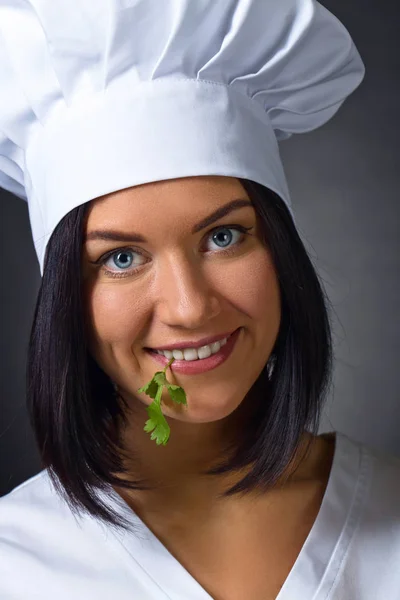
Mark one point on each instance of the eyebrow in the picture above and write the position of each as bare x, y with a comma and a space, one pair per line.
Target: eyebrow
120, 236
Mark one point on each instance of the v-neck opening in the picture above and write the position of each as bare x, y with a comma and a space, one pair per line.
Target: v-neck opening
316, 567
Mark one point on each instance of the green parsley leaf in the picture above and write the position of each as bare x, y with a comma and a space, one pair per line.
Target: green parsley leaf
160, 378
177, 393
150, 388
157, 424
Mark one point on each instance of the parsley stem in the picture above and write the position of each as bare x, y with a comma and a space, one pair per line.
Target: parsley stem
169, 364
157, 399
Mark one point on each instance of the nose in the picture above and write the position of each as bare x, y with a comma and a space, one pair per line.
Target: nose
186, 299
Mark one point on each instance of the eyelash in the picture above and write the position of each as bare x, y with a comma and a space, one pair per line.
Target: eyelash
119, 275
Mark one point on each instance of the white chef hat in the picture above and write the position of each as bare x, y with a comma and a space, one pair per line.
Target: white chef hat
100, 95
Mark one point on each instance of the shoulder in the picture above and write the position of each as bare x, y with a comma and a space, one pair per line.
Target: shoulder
371, 536
30, 506
383, 491
30, 512
377, 472
374, 475
43, 541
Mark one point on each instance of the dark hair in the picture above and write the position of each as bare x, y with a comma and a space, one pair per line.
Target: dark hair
76, 413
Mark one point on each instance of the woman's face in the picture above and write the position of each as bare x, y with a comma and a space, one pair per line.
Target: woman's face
157, 274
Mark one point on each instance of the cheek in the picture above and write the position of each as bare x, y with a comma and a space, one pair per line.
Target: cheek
251, 286
116, 314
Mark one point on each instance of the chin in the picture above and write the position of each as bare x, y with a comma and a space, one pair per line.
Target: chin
199, 411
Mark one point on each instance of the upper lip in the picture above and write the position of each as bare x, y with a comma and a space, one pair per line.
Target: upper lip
194, 344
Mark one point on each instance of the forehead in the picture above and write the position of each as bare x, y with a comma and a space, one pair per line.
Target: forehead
185, 198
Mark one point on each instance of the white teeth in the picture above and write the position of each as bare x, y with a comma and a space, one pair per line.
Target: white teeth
215, 347
204, 352
190, 354
194, 353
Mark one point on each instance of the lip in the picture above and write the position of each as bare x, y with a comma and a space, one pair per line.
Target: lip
191, 344
194, 367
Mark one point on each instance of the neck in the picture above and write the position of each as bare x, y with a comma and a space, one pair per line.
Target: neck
175, 472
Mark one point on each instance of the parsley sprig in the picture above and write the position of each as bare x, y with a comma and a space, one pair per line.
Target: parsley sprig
157, 424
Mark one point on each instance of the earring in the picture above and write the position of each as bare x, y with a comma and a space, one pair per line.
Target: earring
271, 366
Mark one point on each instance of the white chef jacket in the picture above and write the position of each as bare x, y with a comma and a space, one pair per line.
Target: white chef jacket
351, 553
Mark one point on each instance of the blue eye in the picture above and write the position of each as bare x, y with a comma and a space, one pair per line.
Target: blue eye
224, 236
122, 260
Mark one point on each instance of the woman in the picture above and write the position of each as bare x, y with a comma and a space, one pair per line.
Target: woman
162, 223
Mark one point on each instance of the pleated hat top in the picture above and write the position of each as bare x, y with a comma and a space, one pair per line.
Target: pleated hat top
102, 95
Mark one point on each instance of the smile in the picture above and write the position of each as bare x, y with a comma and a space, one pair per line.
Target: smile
194, 353
191, 361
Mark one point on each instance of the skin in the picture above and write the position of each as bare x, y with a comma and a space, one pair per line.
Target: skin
187, 287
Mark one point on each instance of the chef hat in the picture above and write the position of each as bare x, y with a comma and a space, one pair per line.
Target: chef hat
100, 95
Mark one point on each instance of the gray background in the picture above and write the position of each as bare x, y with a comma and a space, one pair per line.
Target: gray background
344, 182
